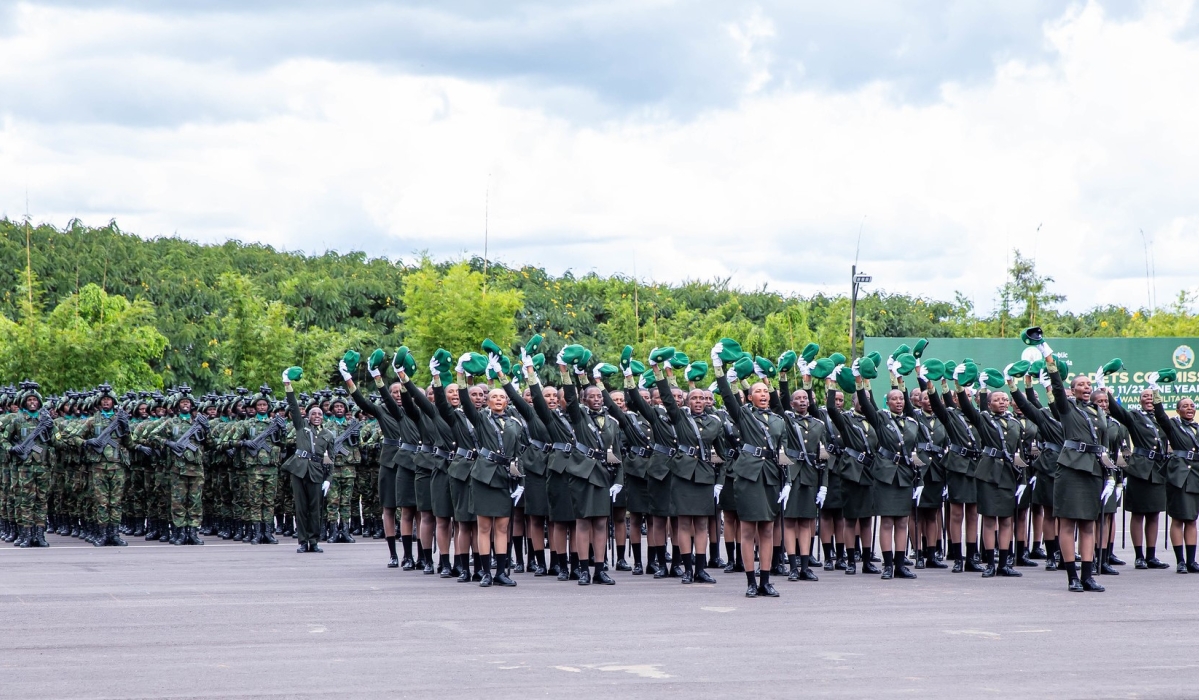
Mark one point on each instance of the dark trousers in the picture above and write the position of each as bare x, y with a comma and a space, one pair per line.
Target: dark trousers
308, 508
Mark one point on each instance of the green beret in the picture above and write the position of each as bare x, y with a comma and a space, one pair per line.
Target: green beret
867, 368
1113, 365
376, 358
647, 380
919, 349
1032, 336
505, 367
351, 359
490, 348
1036, 368
766, 366
823, 368
443, 357
968, 375
637, 367
837, 358
744, 367
787, 361
538, 360
845, 380
901, 350
809, 352
476, 365
585, 359
661, 354
679, 360
626, 356
907, 363
950, 366
1166, 376
934, 369
533, 345
697, 371
571, 354
730, 350
294, 374
607, 370
400, 359
992, 378
1019, 369
876, 358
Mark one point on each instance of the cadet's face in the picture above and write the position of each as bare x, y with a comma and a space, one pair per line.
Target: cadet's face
527, 396
32, 404
551, 397
395, 391
1147, 401
478, 396
262, 406
645, 395
895, 401
339, 409
106, 403
593, 398
497, 400
1100, 399
759, 395
429, 393
185, 406
211, 412
799, 402
451, 395
709, 399
655, 397
1186, 409
857, 405
618, 399
998, 401
839, 400
696, 402
1082, 388
316, 416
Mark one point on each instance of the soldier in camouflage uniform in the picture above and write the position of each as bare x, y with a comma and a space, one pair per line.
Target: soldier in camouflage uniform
221, 469
8, 524
27, 438
106, 452
368, 475
183, 437
347, 455
285, 505
261, 465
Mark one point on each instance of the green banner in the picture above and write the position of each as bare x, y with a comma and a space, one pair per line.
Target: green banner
1085, 355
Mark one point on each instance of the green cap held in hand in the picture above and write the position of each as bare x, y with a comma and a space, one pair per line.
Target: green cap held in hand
697, 371
823, 368
1113, 365
867, 368
907, 363
809, 352
351, 359
918, 350
730, 350
1032, 336
744, 367
766, 366
992, 378
787, 361
294, 374
934, 369
490, 348
626, 356
846, 381
679, 360
660, 355
376, 358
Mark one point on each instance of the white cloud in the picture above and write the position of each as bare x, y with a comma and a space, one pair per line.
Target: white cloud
1093, 143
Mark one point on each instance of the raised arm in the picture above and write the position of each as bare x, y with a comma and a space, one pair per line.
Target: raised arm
293, 410
422, 402
366, 406
444, 409
522, 407
1056, 386
390, 404
1033, 413
1167, 425
1031, 394
934, 400
834, 414
1117, 411
672, 407
969, 410
730, 399
866, 401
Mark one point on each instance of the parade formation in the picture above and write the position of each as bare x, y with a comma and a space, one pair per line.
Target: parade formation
487, 472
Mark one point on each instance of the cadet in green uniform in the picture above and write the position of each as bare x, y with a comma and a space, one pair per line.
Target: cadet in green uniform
447, 399
1115, 440
1182, 475
962, 488
636, 449
27, 437
347, 454
1145, 492
1049, 434
309, 466
431, 480
534, 462
930, 452
658, 476
857, 484
105, 439
183, 437
259, 440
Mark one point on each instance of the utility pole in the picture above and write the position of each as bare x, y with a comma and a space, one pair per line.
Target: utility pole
856, 281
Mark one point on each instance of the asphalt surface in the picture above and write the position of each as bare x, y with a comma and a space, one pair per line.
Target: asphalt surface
234, 620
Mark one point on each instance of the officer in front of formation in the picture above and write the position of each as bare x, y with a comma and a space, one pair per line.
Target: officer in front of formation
309, 467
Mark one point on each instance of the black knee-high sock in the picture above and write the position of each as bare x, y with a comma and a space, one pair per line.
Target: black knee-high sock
749, 576
574, 561
699, 563
713, 551
619, 552
406, 543
1139, 551
888, 558
1190, 554
1178, 554
518, 548
971, 549
426, 555
840, 550
637, 553
730, 550
1072, 570
391, 546
955, 550
688, 562
674, 554
1151, 552
739, 560
1086, 569
443, 561
828, 549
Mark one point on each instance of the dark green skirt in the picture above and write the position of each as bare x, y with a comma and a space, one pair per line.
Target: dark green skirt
558, 497
859, 500
464, 511
1181, 505
802, 502
534, 500
405, 488
1042, 492
691, 499
587, 499
930, 497
962, 488
1076, 494
490, 502
892, 501
636, 493
439, 487
387, 487
995, 501
728, 497
1142, 496
422, 486
659, 496
835, 498
757, 501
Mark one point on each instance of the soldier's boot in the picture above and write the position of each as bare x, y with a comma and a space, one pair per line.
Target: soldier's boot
102, 540
268, 537
207, 528
176, 537
253, 533
63, 528
25, 539
151, 529
114, 538
40, 537
10, 531
357, 530
239, 530
223, 530
328, 532
165, 530
345, 534
139, 527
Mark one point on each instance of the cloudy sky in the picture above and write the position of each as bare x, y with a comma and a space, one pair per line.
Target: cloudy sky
677, 139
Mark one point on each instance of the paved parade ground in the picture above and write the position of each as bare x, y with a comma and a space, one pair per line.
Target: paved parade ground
232, 620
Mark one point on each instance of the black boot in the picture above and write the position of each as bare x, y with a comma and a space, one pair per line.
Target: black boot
253, 533
23, 538
114, 538
268, 537
196, 537
1088, 582
176, 536
102, 540
1007, 570
483, 565
345, 534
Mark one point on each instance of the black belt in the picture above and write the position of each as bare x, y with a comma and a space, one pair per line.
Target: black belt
994, 453
496, 457
798, 455
563, 447
409, 447
664, 450
427, 449
1151, 454
860, 457
468, 455
1085, 448
641, 452
889, 455
391, 441
692, 451
541, 446
835, 450
444, 454
964, 452
928, 447
760, 452
1188, 455
305, 454
596, 454
1051, 446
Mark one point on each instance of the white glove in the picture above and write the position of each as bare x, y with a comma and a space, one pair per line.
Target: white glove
1007, 370
716, 350
525, 360
1151, 378
1046, 351
785, 494
854, 368
922, 371
517, 493
650, 360
731, 375
493, 363
805, 369
628, 371
759, 371
916, 493
836, 371
345, 372
434, 365
286, 379
893, 366
596, 372
959, 371
373, 371
325, 489
1108, 487
713, 387
1020, 491
1032, 483
1119, 492
615, 491
821, 494
716, 491
1099, 385
559, 360
580, 371
1044, 379
1124, 482
945, 492
462, 360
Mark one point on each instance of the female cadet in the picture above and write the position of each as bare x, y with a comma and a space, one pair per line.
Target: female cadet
309, 466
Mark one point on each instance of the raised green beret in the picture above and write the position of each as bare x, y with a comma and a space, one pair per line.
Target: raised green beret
823, 368
661, 354
646, 381
607, 370
1021, 368
572, 354
1032, 336
443, 357
766, 366
934, 369
294, 374
539, 360
809, 352
845, 380
876, 358
534, 344
585, 359
626, 356
697, 371
1113, 365
351, 359
837, 358
679, 360
787, 361
950, 366
1166, 376
969, 375
376, 358
867, 368
907, 363
490, 348
744, 367
730, 350
992, 378
637, 367
918, 350
476, 365
1036, 367
902, 349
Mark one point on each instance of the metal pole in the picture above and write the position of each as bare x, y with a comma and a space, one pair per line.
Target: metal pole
853, 313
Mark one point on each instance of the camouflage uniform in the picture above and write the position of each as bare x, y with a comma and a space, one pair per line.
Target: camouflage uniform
368, 474
107, 470
186, 474
340, 499
32, 483
261, 470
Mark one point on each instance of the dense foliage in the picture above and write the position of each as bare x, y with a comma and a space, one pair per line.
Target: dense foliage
234, 314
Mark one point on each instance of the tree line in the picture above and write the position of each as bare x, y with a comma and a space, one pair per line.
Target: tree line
81, 305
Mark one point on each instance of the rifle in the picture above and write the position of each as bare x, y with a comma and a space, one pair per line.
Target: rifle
119, 422
184, 443
339, 442
29, 444
255, 446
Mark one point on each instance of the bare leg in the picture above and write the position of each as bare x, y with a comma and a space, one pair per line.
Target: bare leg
484, 525
389, 522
